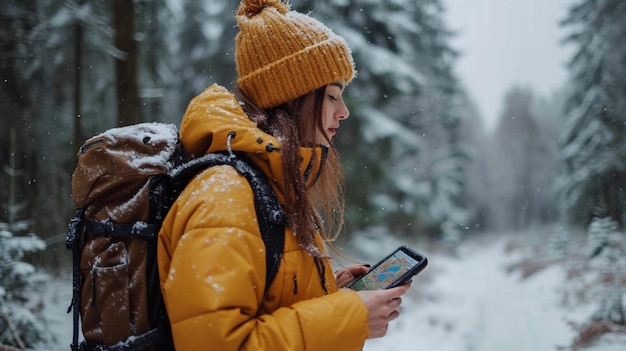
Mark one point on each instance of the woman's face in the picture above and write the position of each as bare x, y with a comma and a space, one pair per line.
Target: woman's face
334, 109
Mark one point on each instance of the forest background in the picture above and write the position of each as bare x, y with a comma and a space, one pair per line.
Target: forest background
420, 165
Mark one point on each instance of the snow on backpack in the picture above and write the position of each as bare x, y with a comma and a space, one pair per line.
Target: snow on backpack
125, 181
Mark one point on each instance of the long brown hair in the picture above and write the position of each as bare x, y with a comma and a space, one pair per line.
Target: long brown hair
319, 208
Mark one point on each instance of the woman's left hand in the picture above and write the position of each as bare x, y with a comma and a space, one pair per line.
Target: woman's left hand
346, 275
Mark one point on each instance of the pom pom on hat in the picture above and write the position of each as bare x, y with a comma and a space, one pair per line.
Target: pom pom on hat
282, 54
252, 7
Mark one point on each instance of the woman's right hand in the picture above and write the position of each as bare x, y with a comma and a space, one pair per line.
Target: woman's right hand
383, 308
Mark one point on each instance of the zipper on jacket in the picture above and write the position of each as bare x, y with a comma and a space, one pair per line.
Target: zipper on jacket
295, 285
322, 272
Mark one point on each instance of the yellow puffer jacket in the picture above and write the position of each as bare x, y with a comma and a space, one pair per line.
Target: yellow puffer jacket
212, 259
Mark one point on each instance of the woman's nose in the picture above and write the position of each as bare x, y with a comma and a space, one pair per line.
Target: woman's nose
343, 111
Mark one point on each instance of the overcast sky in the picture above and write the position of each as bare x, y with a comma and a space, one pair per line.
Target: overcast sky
507, 42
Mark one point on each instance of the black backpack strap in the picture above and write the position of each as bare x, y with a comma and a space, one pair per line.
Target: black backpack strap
136, 343
73, 242
137, 230
271, 217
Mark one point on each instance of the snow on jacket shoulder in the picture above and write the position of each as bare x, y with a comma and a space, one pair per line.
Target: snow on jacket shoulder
212, 258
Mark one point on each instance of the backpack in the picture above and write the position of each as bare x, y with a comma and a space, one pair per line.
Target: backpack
125, 181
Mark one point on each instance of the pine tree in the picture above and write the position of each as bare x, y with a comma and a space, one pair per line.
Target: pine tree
38, 65
607, 249
21, 324
594, 138
604, 279
403, 137
199, 50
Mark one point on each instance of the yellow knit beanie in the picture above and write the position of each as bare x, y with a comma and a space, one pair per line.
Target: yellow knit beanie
283, 54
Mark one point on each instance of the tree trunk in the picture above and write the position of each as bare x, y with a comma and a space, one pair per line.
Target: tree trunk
78, 51
126, 63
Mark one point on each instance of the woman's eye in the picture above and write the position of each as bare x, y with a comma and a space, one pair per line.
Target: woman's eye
332, 97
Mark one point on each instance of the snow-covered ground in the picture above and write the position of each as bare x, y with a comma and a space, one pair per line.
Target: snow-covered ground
469, 302
473, 302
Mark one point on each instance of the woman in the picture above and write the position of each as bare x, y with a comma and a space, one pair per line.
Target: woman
293, 72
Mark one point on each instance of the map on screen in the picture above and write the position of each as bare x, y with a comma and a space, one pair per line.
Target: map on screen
386, 273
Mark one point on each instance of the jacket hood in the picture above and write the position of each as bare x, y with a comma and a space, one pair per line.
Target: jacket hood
215, 122
214, 115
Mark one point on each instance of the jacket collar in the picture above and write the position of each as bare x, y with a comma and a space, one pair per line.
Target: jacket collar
215, 121
313, 159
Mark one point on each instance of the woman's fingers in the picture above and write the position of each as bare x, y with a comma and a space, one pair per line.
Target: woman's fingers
395, 302
383, 308
346, 275
343, 277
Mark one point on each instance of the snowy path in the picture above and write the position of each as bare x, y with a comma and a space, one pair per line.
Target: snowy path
472, 303
468, 303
